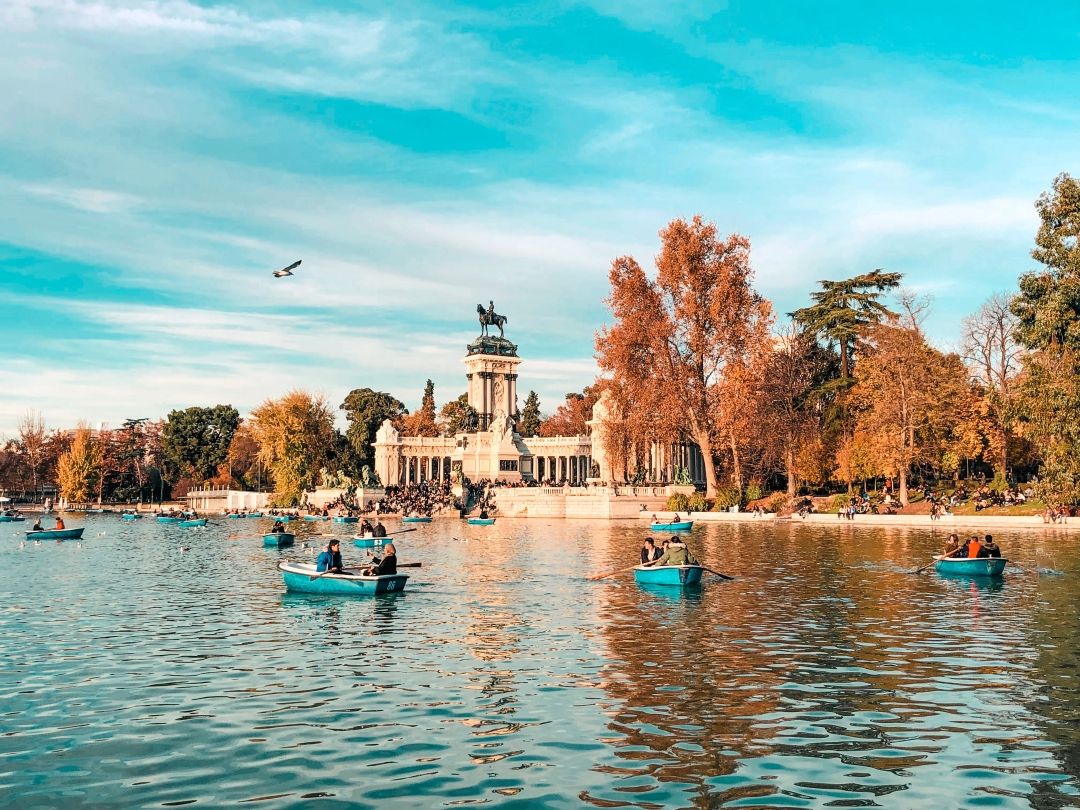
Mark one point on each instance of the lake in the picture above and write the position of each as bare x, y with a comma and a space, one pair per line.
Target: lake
824, 675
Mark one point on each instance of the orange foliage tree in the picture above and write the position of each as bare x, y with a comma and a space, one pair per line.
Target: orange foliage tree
674, 337
572, 417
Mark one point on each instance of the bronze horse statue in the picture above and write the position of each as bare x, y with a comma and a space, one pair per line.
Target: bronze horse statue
488, 317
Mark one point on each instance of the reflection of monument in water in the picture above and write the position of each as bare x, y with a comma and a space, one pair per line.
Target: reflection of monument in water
490, 447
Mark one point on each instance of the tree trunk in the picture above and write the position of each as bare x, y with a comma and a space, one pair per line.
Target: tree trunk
704, 444
903, 486
789, 462
736, 464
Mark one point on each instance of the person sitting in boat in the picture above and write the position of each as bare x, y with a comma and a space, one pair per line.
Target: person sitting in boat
379, 530
384, 567
973, 547
279, 527
37, 527
677, 554
676, 519
366, 529
952, 546
990, 548
483, 514
649, 552
59, 523
330, 560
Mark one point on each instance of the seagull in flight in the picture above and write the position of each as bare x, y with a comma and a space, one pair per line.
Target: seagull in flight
287, 271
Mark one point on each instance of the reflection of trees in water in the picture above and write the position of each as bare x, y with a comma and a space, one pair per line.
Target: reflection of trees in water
824, 650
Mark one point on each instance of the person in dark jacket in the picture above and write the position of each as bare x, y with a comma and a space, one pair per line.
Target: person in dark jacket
387, 565
990, 548
649, 551
379, 530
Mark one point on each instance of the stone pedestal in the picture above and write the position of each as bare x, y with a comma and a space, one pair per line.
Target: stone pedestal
491, 368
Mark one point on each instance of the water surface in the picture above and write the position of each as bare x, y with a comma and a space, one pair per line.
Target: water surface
825, 675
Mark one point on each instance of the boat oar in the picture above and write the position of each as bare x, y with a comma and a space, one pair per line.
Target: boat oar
920, 570
595, 577
722, 576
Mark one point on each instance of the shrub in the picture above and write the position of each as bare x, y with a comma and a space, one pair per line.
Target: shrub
839, 501
725, 498
677, 502
775, 502
697, 502
753, 491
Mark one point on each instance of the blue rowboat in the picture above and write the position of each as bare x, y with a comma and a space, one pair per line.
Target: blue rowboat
166, 519
346, 519
11, 518
130, 516
313, 518
193, 523
234, 516
416, 519
303, 577
681, 526
372, 542
481, 521
254, 514
971, 566
283, 518
55, 534
679, 575
278, 539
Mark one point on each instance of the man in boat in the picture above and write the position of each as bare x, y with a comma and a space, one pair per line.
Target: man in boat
279, 527
974, 545
676, 519
366, 529
677, 554
37, 527
384, 567
483, 514
59, 523
379, 530
649, 551
989, 547
330, 560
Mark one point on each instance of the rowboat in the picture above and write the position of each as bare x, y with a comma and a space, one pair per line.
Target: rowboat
55, 534
11, 518
681, 526
303, 577
313, 518
372, 542
346, 519
283, 518
130, 516
193, 523
971, 566
279, 539
680, 575
416, 519
481, 521
167, 519
254, 514
234, 515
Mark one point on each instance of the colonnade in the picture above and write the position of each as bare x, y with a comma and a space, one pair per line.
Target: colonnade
574, 469
418, 469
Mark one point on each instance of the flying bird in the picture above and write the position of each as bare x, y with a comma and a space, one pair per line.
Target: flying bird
287, 271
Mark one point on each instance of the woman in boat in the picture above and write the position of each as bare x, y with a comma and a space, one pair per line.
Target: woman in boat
330, 560
951, 546
279, 527
677, 554
37, 527
366, 529
59, 523
649, 551
991, 548
387, 565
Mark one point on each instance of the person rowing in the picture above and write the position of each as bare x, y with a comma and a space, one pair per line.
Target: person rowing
37, 527
649, 552
330, 560
677, 554
385, 566
279, 527
676, 519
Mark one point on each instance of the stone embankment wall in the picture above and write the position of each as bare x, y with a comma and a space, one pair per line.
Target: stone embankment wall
946, 523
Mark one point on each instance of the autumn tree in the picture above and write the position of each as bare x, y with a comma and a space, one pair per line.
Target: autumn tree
679, 332
994, 358
296, 439
1048, 312
366, 410
572, 417
32, 438
423, 421
78, 469
457, 416
908, 398
196, 440
530, 416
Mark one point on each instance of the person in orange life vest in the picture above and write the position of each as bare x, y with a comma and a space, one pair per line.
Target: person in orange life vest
973, 546
59, 523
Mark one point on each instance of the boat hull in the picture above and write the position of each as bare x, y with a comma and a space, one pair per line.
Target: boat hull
481, 521
11, 518
55, 534
681, 526
130, 516
301, 578
169, 519
283, 518
193, 523
279, 539
971, 566
416, 520
346, 519
374, 542
313, 518
676, 575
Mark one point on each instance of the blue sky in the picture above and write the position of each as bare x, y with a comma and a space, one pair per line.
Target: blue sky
159, 159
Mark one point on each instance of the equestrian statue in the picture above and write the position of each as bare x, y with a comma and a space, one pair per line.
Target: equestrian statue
488, 317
